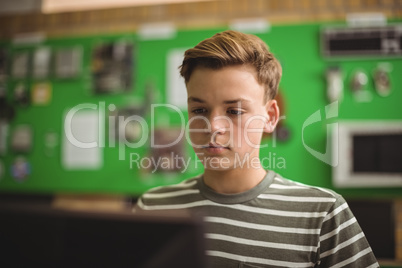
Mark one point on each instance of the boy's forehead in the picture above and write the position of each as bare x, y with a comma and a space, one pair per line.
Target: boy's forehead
226, 85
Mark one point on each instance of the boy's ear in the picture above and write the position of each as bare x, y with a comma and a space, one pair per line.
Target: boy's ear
272, 110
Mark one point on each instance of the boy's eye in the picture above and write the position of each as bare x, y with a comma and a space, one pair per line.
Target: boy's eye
199, 111
235, 112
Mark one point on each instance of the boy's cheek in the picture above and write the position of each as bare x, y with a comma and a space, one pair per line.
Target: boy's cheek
251, 137
199, 125
195, 140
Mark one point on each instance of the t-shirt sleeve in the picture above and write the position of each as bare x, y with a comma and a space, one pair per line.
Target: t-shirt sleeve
342, 242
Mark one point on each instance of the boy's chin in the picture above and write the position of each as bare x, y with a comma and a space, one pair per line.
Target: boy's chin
218, 165
218, 168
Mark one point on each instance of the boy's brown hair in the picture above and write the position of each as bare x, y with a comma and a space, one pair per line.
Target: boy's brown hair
235, 48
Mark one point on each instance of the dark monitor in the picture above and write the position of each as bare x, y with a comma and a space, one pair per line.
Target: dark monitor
377, 153
368, 152
33, 237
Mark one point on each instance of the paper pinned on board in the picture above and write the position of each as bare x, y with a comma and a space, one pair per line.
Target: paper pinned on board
81, 145
176, 88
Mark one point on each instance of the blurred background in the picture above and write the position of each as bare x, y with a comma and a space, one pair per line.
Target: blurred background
79, 81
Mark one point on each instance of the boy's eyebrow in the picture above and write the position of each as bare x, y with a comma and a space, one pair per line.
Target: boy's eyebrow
194, 99
236, 101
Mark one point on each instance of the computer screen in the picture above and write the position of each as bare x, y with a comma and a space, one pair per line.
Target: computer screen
368, 153
37, 237
377, 153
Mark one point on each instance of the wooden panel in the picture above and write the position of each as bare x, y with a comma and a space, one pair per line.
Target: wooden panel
193, 14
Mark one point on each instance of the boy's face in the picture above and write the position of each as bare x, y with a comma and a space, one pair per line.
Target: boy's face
227, 116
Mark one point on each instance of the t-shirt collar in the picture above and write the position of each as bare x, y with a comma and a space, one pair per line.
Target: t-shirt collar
239, 198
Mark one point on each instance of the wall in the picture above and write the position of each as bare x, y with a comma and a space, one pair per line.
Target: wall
303, 90
192, 15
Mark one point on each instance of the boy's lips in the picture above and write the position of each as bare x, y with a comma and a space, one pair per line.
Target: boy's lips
215, 148
215, 145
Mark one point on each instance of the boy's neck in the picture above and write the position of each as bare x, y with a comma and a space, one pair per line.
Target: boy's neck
234, 180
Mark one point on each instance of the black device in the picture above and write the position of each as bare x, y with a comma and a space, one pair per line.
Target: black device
43, 237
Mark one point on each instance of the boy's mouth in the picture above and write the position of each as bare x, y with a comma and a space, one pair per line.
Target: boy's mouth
215, 148
215, 145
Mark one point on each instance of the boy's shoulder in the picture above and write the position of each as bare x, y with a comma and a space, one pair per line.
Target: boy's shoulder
188, 184
284, 186
170, 196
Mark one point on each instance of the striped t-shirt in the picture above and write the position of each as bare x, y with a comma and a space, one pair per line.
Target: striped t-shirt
278, 223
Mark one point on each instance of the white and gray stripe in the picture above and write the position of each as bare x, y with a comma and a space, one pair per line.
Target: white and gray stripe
279, 223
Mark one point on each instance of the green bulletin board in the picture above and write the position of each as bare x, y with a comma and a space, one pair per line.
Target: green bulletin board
303, 90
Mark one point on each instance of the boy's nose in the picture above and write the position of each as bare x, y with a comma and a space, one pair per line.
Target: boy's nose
219, 124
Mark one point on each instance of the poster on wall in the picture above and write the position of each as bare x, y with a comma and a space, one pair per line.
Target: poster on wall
21, 95
21, 139
68, 62
80, 140
20, 65
20, 169
41, 93
176, 88
41, 62
112, 67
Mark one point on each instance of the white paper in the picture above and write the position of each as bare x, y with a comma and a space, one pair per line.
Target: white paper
81, 146
250, 25
41, 62
176, 88
20, 65
68, 62
157, 31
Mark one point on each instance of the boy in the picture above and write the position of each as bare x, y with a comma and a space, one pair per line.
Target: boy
253, 217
